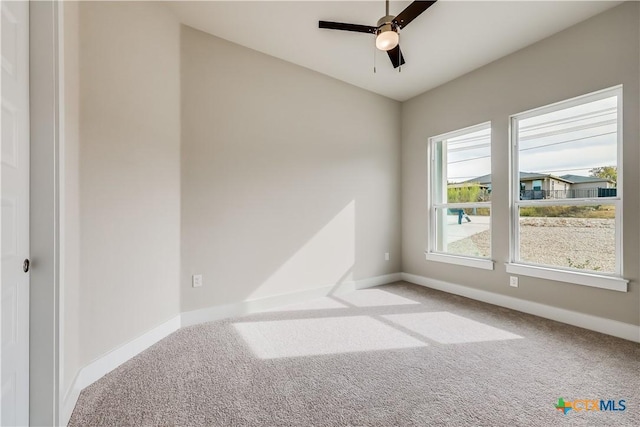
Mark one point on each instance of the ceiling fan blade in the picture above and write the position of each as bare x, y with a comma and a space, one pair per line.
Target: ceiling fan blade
347, 27
396, 57
412, 12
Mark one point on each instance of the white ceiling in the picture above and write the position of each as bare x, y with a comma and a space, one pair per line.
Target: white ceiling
448, 40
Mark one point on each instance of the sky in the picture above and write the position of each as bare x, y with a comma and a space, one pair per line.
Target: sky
568, 141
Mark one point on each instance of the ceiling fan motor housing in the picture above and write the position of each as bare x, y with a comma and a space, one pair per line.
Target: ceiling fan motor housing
386, 33
386, 24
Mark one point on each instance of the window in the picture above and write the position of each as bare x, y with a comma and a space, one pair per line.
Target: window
574, 234
460, 197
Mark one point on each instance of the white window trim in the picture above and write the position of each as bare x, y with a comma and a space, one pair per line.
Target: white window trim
581, 277
577, 277
466, 261
431, 254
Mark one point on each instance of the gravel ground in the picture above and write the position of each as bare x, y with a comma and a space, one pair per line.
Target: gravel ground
582, 243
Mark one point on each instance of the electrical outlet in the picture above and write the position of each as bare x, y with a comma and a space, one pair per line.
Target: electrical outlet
513, 281
386, 256
196, 280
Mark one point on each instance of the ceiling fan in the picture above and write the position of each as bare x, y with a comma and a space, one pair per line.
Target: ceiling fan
386, 30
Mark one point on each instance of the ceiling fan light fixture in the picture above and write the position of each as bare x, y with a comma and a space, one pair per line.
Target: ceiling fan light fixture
387, 37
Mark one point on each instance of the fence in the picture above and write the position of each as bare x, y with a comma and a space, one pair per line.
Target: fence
586, 193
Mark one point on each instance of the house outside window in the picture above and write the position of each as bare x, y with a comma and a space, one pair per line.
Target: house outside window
459, 197
572, 235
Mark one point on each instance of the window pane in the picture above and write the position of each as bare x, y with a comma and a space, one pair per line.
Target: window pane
468, 167
581, 237
464, 231
570, 153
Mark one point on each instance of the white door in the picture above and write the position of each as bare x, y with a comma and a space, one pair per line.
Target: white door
14, 164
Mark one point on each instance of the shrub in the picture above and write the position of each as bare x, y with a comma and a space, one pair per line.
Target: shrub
569, 211
469, 193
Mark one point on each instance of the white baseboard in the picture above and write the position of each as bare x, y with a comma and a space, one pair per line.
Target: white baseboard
262, 304
599, 324
107, 363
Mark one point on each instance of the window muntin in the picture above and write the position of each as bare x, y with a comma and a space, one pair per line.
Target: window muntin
460, 193
567, 207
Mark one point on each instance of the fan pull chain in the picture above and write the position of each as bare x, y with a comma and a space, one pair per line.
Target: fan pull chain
374, 58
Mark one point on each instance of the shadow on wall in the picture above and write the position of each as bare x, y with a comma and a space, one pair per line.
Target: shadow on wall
326, 258
253, 257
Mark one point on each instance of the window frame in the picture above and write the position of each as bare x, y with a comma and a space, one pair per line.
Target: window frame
431, 252
613, 281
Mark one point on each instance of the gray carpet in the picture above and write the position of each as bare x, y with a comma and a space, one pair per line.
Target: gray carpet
398, 355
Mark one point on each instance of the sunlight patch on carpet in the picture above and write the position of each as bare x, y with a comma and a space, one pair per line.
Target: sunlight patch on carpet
373, 298
448, 328
333, 335
323, 303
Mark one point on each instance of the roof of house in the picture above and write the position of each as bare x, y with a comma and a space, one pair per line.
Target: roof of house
529, 176
484, 179
578, 179
524, 176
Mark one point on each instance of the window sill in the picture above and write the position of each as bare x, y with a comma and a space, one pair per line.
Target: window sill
576, 277
485, 264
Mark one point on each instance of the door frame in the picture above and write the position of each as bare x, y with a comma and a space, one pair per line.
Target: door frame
44, 221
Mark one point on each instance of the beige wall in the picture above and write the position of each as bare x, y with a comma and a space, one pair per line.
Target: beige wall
129, 172
596, 54
290, 179
70, 201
